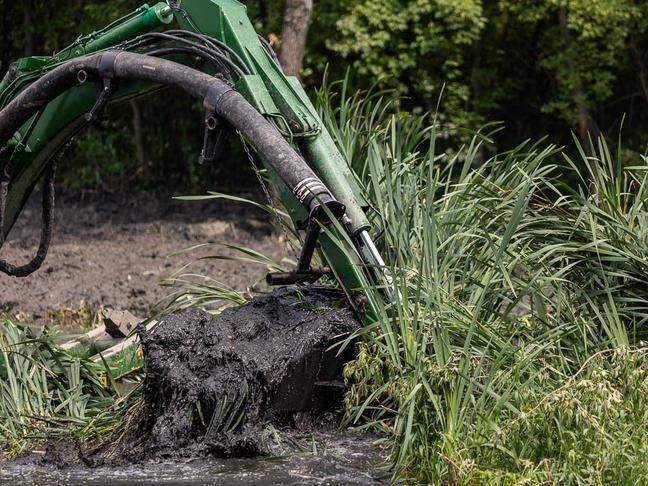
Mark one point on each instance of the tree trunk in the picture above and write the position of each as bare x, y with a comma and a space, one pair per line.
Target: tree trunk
297, 17
28, 27
586, 124
140, 150
640, 60
263, 13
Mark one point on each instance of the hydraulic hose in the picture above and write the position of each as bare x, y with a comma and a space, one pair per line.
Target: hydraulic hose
217, 96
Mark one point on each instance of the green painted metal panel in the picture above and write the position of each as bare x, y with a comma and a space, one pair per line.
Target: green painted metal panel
227, 21
251, 86
142, 20
331, 166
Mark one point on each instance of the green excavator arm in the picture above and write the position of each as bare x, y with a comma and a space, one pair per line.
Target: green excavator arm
248, 65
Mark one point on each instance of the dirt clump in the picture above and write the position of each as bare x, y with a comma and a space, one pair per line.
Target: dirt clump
214, 383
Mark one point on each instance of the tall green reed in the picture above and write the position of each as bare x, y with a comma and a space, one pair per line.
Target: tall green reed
508, 280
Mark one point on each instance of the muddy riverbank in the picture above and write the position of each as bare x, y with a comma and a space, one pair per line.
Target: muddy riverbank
113, 249
253, 395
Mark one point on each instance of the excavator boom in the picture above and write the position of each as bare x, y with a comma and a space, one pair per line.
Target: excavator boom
46, 100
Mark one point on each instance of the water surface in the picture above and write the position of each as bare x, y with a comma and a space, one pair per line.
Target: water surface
341, 458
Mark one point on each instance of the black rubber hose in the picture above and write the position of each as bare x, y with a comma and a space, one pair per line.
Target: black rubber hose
170, 50
216, 95
46, 229
163, 36
40, 93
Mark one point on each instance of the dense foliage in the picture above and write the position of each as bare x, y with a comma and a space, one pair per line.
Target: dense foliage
542, 67
515, 351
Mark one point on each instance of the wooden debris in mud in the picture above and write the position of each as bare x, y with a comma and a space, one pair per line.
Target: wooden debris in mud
119, 324
121, 346
112, 337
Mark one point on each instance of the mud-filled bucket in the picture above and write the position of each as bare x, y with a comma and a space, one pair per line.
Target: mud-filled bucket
213, 383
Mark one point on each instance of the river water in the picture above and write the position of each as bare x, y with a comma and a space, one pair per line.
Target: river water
338, 458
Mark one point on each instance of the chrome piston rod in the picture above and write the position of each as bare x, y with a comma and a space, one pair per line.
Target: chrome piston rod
373, 257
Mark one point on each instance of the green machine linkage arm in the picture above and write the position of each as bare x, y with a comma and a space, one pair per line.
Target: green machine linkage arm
277, 95
227, 21
279, 98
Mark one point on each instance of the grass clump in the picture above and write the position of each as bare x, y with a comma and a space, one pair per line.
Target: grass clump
593, 427
513, 352
47, 392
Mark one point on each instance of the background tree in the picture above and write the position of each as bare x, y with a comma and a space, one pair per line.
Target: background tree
582, 48
420, 47
297, 17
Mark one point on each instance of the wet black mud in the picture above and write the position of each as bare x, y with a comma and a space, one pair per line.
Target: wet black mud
221, 385
250, 396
